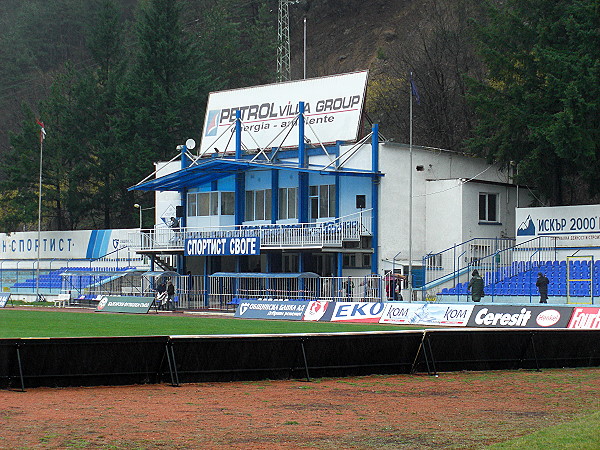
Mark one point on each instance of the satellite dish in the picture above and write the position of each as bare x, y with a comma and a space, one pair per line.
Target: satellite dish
190, 144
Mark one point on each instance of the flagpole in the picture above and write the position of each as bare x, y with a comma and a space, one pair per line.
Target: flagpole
39, 241
410, 192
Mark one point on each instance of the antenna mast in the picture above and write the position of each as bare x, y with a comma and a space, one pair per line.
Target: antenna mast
283, 40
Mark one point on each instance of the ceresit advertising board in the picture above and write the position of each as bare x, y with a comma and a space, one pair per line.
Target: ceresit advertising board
571, 225
332, 108
507, 316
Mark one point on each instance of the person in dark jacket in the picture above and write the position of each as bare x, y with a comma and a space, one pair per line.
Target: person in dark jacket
476, 286
542, 285
170, 294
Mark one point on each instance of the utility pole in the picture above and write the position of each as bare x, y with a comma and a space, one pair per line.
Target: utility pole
283, 40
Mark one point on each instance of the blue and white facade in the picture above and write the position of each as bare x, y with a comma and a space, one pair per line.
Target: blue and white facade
267, 192
337, 210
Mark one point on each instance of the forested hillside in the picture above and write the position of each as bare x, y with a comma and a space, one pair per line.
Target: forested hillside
120, 83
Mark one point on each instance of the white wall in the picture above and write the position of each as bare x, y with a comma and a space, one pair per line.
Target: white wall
443, 223
166, 201
445, 209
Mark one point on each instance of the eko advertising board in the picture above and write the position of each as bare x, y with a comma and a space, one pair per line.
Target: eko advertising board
332, 107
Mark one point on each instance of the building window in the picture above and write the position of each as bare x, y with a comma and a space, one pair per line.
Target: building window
288, 203
488, 207
203, 207
356, 260
434, 261
210, 203
258, 205
227, 203
322, 201
191, 205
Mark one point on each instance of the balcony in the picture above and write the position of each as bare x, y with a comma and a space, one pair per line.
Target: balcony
317, 235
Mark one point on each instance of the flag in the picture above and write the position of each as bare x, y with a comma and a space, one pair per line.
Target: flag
42, 130
413, 89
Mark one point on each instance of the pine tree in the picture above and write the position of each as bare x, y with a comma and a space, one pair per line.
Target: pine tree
539, 104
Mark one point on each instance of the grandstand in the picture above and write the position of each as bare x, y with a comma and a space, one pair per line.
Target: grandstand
70, 279
520, 280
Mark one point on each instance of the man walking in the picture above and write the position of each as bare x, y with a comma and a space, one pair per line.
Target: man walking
542, 285
476, 286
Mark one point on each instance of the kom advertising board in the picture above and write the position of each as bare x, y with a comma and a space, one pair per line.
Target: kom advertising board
426, 314
573, 226
332, 106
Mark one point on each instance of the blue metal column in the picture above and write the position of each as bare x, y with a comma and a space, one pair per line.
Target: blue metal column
206, 281
302, 180
302, 163
240, 178
240, 183
183, 219
274, 195
339, 255
375, 199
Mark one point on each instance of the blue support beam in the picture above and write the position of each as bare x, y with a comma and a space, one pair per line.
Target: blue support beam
274, 195
240, 177
375, 198
302, 176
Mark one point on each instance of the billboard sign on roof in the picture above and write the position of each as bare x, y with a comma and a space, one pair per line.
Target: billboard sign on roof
332, 105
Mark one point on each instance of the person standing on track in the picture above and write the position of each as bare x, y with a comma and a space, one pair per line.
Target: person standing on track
170, 294
476, 286
542, 285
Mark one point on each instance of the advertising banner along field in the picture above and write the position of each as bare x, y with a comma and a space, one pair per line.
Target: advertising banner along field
125, 304
332, 106
4, 296
428, 314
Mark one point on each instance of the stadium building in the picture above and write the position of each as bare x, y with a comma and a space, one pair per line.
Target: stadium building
287, 194
289, 185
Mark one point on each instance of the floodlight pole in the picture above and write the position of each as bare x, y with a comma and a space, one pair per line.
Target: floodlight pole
39, 231
410, 195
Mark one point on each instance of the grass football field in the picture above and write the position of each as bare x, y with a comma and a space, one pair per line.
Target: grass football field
19, 323
583, 433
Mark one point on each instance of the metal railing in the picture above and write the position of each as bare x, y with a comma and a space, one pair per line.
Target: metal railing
301, 235
496, 258
224, 289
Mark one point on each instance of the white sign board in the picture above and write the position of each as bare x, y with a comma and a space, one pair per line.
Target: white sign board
332, 106
79, 244
571, 225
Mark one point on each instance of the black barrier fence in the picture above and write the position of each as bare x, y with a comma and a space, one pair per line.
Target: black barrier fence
503, 349
154, 359
301, 356
82, 361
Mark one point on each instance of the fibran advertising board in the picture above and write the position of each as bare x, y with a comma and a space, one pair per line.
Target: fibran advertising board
332, 106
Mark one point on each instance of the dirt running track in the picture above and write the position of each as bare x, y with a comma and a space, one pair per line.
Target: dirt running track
455, 410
